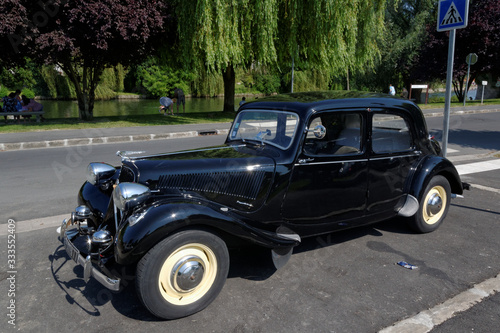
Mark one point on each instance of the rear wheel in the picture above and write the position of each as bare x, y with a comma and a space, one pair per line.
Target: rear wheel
182, 274
434, 206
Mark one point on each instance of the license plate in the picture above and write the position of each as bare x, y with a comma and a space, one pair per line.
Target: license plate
71, 249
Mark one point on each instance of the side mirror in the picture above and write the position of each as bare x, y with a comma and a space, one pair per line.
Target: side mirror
319, 131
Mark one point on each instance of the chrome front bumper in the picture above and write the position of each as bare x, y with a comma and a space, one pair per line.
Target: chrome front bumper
88, 269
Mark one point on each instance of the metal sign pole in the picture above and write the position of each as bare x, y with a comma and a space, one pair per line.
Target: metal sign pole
452, 15
447, 100
467, 82
484, 83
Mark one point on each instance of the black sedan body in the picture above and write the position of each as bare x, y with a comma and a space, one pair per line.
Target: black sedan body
292, 166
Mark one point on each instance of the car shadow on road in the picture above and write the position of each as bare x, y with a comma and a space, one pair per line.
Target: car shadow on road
255, 263
470, 139
395, 225
252, 263
478, 209
91, 297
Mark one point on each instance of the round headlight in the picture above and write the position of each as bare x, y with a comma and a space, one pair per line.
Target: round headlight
129, 195
98, 173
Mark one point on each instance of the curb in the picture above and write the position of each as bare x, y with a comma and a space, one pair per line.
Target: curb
104, 140
163, 136
460, 112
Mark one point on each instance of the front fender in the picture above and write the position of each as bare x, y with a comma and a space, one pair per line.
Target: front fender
432, 166
160, 220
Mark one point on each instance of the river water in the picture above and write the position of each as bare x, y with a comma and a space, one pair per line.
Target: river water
123, 107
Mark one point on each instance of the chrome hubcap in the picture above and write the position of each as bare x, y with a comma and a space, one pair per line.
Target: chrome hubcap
187, 274
434, 204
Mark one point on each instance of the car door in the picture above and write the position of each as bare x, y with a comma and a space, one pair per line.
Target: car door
392, 155
329, 178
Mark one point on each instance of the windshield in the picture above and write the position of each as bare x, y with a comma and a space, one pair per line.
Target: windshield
267, 127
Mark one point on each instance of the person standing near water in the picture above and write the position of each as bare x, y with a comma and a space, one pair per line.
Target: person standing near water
179, 96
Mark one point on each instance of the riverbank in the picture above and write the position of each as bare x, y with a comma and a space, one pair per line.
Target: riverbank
126, 96
146, 114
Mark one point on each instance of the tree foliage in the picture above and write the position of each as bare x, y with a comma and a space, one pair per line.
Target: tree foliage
160, 79
219, 36
481, 36
335, 35
400, 43
83, 37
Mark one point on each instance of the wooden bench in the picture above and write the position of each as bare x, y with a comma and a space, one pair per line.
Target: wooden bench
38, 114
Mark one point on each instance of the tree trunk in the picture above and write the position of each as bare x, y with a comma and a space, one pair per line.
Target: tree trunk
459, 88
86, 106
85, 86
229, 78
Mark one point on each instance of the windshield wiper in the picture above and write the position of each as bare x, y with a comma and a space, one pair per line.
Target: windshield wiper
253, 142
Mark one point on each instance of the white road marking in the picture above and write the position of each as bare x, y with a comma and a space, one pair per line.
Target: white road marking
486, 188
35, 224
471, 157
466, 169
426, 320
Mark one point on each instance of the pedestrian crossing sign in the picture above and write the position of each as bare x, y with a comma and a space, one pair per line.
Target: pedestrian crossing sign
452, 14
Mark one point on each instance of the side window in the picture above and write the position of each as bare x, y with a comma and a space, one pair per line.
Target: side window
343, 135
390, 133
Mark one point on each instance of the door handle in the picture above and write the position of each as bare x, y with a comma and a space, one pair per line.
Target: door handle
305, 160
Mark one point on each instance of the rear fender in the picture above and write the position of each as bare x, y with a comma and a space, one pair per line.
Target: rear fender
432, 166
160, 220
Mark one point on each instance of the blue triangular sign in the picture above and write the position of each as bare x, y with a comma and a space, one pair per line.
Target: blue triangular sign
452, 16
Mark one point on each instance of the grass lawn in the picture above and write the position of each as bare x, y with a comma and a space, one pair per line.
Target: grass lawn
460, 104
115, 121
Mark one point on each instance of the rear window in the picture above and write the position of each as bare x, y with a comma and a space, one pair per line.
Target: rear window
390, 133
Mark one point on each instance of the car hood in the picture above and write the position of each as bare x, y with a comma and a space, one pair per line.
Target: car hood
238, 176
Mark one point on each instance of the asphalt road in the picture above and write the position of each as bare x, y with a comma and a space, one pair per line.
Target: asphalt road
341, 282
44, 182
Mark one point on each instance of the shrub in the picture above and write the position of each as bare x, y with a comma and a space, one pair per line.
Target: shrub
4, 91
267, 83
161, 80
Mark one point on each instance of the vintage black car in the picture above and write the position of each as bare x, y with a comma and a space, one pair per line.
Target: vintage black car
292, 166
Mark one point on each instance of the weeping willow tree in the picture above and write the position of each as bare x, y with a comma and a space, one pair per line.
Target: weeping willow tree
332, 35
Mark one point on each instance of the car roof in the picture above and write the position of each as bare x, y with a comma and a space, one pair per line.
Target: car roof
305, 103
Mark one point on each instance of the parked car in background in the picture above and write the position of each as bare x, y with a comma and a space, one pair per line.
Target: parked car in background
292, 166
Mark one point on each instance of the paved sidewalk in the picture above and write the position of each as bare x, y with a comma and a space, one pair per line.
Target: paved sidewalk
63, 138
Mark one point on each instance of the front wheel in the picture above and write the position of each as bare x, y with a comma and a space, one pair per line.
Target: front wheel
434, 206
182, 274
